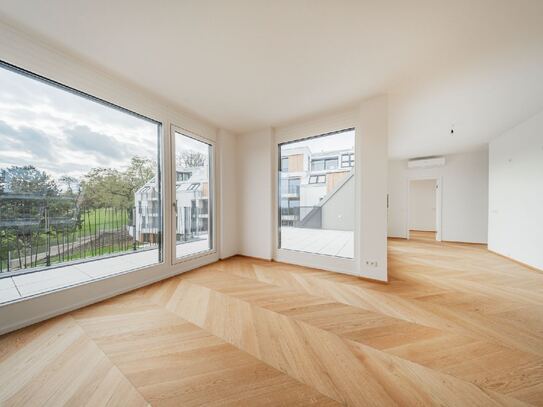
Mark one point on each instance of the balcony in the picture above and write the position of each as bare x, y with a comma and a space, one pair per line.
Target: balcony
47, 243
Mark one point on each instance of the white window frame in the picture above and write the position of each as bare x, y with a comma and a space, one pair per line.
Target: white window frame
212, 253
320, 261
25, 53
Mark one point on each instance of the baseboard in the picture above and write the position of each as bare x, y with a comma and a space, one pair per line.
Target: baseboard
254, 257
516, 261
461, 242
229, 257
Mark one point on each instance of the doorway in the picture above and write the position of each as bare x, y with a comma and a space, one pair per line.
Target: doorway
424, 209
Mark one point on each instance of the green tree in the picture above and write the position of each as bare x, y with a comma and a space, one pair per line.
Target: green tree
27, 180
107, 187
70, 183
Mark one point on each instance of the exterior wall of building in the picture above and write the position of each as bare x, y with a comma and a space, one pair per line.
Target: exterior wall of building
334, 179
309, 195
192, 216
338, 211
296, 163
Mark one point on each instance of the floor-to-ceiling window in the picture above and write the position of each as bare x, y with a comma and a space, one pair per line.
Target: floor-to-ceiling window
193, 210
80, 187
317, 194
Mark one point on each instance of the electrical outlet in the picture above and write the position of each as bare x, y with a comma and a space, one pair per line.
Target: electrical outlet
372, 263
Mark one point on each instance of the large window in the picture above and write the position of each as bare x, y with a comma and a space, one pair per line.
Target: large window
80, 184
316, 213
193, 200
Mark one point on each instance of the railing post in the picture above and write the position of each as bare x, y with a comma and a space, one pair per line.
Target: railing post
134, 246
48, 233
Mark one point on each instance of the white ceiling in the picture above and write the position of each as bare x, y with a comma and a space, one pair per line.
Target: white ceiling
244, 65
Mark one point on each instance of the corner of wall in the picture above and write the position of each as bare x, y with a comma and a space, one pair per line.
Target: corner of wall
372, 134
254, 186
228, 194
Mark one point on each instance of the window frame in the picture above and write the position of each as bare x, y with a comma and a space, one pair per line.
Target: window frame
212, 189
25, 56
160, 156
325, 162
317, 177
294, 134
349, 161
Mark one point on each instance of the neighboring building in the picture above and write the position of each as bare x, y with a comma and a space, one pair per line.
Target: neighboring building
192, 202
309, 180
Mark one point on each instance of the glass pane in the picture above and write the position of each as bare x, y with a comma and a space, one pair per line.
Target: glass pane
331, 164
317, 165
317, 210
193, 217
284, 164
80, 185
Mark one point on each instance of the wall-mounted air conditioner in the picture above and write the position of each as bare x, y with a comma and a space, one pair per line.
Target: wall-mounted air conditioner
426, 162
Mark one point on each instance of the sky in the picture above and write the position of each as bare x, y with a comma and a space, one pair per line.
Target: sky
334, 142
64, 133
186, 143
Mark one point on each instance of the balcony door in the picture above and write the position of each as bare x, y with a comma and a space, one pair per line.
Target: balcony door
192, 195
316, 201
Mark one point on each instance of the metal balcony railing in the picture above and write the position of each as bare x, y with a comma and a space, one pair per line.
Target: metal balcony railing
40, 232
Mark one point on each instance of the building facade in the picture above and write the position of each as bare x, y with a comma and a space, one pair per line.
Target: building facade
192, 206
309, 182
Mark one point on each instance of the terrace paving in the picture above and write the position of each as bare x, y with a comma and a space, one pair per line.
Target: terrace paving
39, 282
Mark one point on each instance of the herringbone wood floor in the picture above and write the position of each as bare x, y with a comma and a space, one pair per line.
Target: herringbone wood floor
456, 325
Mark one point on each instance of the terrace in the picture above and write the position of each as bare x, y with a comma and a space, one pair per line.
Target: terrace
38, 282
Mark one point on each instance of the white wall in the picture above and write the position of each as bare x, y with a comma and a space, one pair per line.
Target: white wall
254, 185
422, 205
372, 148
228, 194
464, 196
256, 169
516, 193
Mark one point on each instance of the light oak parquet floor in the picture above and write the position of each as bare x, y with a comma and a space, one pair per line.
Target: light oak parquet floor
456, 325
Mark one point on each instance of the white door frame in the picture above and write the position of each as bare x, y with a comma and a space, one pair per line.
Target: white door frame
439, 203
213, 252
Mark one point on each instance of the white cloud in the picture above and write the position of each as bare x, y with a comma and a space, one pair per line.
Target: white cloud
64, 133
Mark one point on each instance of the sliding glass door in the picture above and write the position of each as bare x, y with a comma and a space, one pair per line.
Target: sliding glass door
193, 199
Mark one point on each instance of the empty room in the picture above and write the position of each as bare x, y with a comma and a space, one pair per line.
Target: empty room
271, 203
